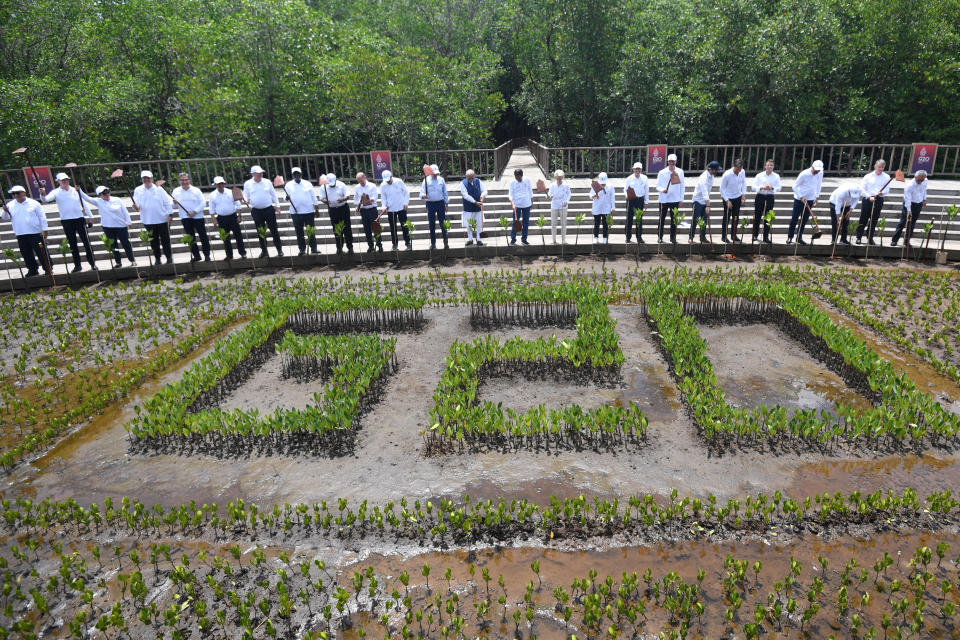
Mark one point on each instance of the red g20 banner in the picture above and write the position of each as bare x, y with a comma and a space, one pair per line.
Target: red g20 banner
656, 157
923, 157
43, 178
381, 162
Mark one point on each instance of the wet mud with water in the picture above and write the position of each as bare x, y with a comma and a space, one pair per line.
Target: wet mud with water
389, 463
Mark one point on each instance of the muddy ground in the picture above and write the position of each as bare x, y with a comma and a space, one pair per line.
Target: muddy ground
389, 463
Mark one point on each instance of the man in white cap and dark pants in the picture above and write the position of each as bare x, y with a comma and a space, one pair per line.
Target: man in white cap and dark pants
638, 183
263, 207
765, 184
115, 219
156, 208
843, 201
733, 190
72, 211
701, 199
473, 192
365, 200
604, 202
559, 195
806, 194
303, 209
190, 203
914, 200
227, 210
433, 190
875, 186
30, 227
395, 198
670, 189
335, 197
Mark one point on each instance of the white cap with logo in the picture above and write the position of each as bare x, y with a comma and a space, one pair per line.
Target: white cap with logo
256, 169
219, 180
62, 176
672, 157
818, 165
17, 189
146, 174
386, 175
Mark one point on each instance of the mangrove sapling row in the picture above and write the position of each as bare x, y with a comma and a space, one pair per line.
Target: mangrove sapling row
903, 417
352, 312
460, 420
528, 306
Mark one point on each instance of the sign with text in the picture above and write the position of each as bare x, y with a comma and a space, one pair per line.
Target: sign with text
923, 156
381, 163
656, 157
43, 178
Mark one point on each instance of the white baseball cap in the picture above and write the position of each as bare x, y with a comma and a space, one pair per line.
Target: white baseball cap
332, 178
386, 175
219, 180
672, 156
17, 189
558, 173
296, 170
62, 176
435, 169
602, 178
638, 165
146, 174
101, 189
256, 169
818, 165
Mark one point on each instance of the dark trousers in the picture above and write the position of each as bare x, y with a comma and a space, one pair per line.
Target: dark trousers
731, 216
401, 217
634, 205
840, 219
339, 215
666, 215
762, 204
599, 221
121, 236
915, 209
300, 221
160, 236
437, 212
231, 224
73, 228
869, 214
267, 217
194, 227
33, 250
367, 216
523, 215
801, 212
699, 213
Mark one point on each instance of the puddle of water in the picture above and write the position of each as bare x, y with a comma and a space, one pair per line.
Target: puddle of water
926, 472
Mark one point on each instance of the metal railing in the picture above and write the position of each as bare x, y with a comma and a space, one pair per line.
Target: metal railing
502, 157
840, 160
406, 165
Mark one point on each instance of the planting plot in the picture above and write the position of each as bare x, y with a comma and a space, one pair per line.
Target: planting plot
266, 389
757, 365
523, 394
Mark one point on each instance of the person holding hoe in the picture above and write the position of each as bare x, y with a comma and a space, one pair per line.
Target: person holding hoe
30, 227
227, 209
365, 200
604, 203
335, 197
733, 190
843, 201
72, 212
875, 186
433, 190
765, 184
637, 191
190, 204
115, 220
156, 209
701, 199
670, 187
263, 207
806, 194
914, 200
395, 198
303, 209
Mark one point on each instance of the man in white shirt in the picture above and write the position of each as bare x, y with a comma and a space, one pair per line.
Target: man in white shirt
670, 188
190, 203
559, 195
636, 190
72, 211
115, 219
395, 198
263, 207
335, 197
603, 205
765, 184
521, 199
30, 227
701, 199
875, 186
843, 201
472, 192
303, 209
806, 194
156, 208
914, 200
433, 190
227, 210
733, 190
365, 200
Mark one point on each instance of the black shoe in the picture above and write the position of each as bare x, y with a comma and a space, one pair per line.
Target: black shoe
409, 246
673, 240
93, 265
77, 268
32, 272
845, 241
263, 255
433, 246
446, 245
379, 248
117, 263
300, 254
350, 250
514, 241
479, 243
243, 256
859, 241
789, 240
469, 243
629, 241
871, 242
192, 259
801, 241
640, 240
703, 238
370, 249
169, 260
524, 242
893, 243
753, 240
339, 250
767, 240
230, 256
279, 254
394, 246
725, 241
206, 258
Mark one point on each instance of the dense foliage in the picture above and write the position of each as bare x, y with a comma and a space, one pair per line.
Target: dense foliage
89, 80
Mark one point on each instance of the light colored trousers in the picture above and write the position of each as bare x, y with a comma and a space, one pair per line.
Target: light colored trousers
562, 214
